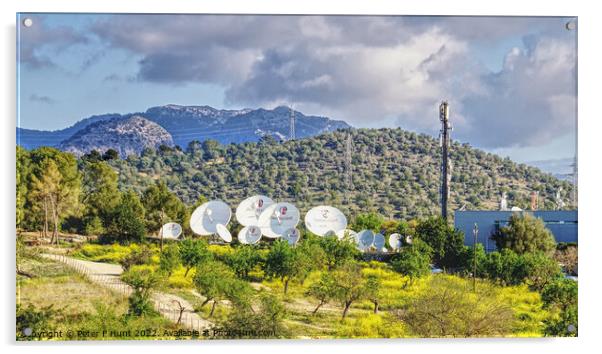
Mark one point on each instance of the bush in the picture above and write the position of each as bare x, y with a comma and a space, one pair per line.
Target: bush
266, 322
525, 234
193, 252
138, 256
169, 259
143, 281
448, 308
411, 261
338, 252
539, 270
33, 320
509, 268
243, 260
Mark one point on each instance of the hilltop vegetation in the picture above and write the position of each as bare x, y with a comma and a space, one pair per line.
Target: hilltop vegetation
395, 173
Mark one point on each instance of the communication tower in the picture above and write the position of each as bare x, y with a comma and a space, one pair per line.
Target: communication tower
291, 133
348, 172
445, 166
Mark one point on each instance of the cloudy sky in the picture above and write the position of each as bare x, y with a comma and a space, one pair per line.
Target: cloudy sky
511, 82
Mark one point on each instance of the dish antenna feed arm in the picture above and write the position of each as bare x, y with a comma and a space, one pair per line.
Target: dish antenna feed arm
444, 139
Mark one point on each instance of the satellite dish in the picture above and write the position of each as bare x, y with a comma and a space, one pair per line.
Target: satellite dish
346, 233
324, 218
379, 242
364, 239
223, 233
171, 230
249, 235
409, 239
395, 241
277, 218
292, 236
248, 211
205, 218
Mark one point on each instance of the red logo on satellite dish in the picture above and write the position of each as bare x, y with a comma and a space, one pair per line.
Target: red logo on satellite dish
283, 210
260, 203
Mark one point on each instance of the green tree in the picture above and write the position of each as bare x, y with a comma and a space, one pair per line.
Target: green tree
57, 191
216, 281
373, 290
370, 221
110, 154
266, 322
525, 233
349, 285
126, 222
23, 171
162, 205
446, 242
243, 260
338, 252
284, 263
169, 259
539, 270
100, 195
323, 290
412, 261
193, 253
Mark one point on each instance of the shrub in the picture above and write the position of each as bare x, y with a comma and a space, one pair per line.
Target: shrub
266, 322
143, 281
525, 234
193, 252
411, 261
33, 319
243, 260
138, 256
338, 252
448, 308
169, 259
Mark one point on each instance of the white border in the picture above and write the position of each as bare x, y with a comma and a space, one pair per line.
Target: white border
589, 169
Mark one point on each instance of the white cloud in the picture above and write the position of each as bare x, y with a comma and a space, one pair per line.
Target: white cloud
369, 71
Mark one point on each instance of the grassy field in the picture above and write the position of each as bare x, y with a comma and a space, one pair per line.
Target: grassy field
361, 321
84, 309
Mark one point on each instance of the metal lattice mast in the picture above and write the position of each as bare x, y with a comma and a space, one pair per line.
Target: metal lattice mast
348, 171
291, 134
445, 166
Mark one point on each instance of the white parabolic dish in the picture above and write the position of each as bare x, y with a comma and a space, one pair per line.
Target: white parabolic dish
291, 236
248, 211
205, 218
365, 239
249, 235
223, 233
277, 218
171, 230
395, 241
324, 218
379, 242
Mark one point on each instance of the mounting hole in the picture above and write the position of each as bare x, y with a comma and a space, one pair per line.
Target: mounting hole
28, 22
571, 25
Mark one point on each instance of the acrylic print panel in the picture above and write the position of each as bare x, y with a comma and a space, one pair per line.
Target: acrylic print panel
128, 122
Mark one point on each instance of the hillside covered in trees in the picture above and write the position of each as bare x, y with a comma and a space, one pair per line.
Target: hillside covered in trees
394, 173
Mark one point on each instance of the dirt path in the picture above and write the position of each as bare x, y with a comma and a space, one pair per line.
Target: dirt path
107, 275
